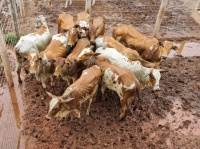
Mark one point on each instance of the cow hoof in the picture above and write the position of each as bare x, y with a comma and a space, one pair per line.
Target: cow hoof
87, 113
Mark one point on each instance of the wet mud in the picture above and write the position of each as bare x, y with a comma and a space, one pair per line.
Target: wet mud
167, 118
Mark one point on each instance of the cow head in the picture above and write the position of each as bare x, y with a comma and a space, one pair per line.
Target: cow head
72, 36
60, 62
87, 56
155, 78
56, 105
33, 60
166, 47
92, 34
83, 29
40, 20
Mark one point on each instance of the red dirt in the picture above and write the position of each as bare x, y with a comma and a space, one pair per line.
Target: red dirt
165, 119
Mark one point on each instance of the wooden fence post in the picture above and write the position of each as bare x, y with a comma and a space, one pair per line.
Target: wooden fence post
159, 17
88, 5
198, 5
5, 60
11, 4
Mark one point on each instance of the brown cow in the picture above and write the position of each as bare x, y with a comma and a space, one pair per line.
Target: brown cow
97, 28
83, 21
81, 90
65, 22
41, 65
133, 55
72, 36
69, 68
149, 49
120, 80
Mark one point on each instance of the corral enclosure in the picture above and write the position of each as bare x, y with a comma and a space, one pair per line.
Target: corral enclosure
165, 119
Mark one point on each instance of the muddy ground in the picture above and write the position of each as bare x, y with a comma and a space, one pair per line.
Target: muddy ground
168, 118
165, 119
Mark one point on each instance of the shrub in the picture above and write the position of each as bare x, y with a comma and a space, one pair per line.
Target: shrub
11, 39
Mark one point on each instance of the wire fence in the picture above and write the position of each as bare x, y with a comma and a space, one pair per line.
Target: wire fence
12, 20
12, 26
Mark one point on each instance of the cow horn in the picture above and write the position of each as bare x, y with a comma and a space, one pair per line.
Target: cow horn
50, 95
163, 70
67, 100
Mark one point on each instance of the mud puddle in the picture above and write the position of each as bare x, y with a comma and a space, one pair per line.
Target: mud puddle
11, 109
187, 49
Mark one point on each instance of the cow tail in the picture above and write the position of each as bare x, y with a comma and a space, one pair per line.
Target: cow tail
138, 91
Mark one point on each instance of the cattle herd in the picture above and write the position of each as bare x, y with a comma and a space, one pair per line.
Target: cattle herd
85, 59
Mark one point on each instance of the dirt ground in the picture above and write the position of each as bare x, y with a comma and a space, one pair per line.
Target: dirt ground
167, 118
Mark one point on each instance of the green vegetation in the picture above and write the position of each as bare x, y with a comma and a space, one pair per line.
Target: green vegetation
11, 39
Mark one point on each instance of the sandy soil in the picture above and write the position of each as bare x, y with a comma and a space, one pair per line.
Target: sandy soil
165, 119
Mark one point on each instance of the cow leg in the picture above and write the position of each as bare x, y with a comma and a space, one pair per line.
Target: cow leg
52, 80
123, 109
93, 2
78, 115
103, 88
91, 98
70, 2
66, 3
18, 72
62, 122
44, 85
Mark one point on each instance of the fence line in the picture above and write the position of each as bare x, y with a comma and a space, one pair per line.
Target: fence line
11, 27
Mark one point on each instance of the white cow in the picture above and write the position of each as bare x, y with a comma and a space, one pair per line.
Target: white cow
32, 43
146, 76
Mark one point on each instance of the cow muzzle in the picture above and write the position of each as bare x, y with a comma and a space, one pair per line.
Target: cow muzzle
32, 74
156, 88
164, 57
48, 117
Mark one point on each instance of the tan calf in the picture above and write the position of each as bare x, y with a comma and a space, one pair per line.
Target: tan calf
65, 22
72, 36
149, 49
133, 55
83, 20
97, 28
69, 68
120, 80
81, 90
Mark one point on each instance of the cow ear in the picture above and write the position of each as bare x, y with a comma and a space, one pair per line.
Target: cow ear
76, 26
160, 43
67, 100
50, 95
25, 58
96, 54
175, 48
